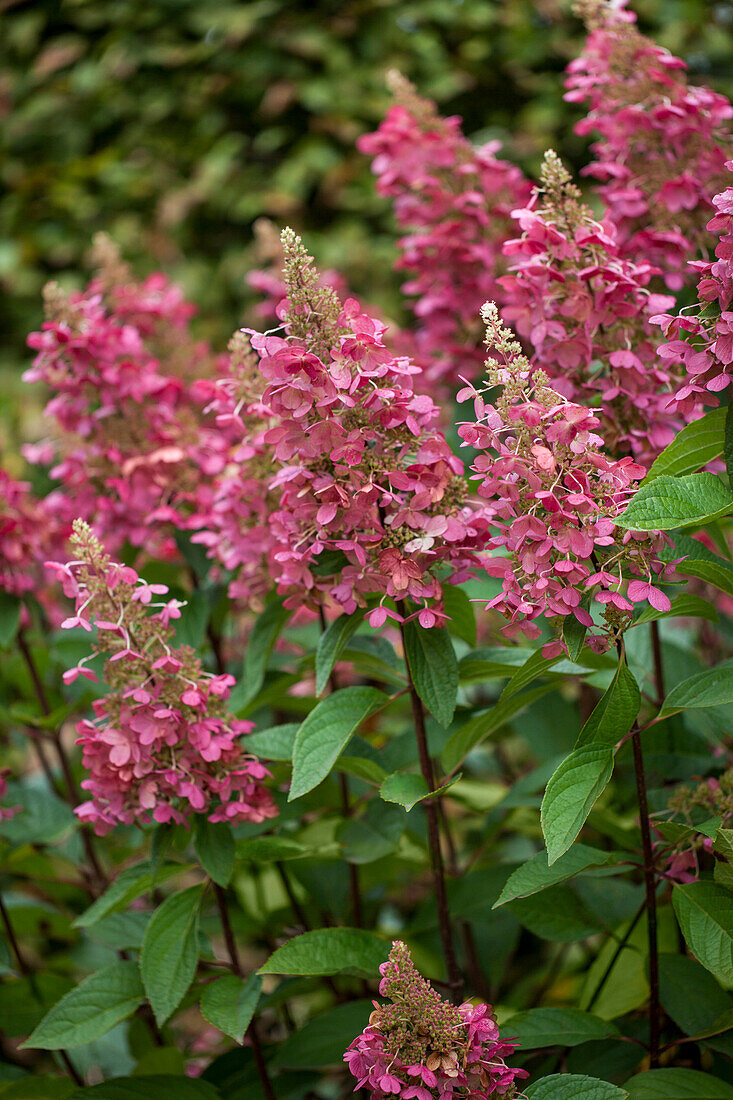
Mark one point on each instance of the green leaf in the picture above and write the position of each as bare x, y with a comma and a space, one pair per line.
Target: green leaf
536, 875
571, 793
671, 502
91, 1008
565, 1027
614, 714
573, 634
170, 951
230, 1002
330, 951
701, 562
326, 732
434, 669
407, 789
573, 1086
711, 688
728, 442
492, 663
160, 1086
460, 612
557, 914
705, 914
697, 444
214, 845
38, 1088
685, 606
322, 1041
691, 996
677, 1084
533, 667
473, 732
360, 768
373, 835
9, 618
259, 647
332, 643
267, 849
274, 743
128, 885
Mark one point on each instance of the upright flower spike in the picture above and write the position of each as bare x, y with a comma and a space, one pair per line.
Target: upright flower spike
702, 341
420, 1047
587, 312
552, 495
453, 201
162, 746
129, 447
663, 142
359, 494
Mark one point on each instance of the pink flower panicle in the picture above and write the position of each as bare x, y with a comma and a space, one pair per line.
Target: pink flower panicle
339, 486
453, 202
586, 311
30, 531
662, 142
129, 447
162, 745
552, 495
421, 1047
703, 341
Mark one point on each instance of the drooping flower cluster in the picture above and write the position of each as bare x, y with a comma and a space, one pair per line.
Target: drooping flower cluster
703, 342
340, 487
553, 496
453, 201
162, 745
130, 451
586, 312
420, 1047
663, 142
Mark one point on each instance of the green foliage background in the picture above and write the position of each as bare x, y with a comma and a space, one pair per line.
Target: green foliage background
175, 125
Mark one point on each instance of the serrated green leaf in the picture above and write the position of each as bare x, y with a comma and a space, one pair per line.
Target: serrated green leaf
326, 732
460, 612
230, 1002
573, 1086
668, 503
129, 884
711, 688
677, 1084
275, 743
91, 1008
373, 835
408, 789
556, 914
614, 714
170, 951
685, 606
694, 447
533, 667
330, 951
573, 634
473, 732
434, 669
360, 768
492, 663
691, 996
261, 642
214, 845
267, 849
332, 643
571, 793
705, 914
566, 1027
536, 875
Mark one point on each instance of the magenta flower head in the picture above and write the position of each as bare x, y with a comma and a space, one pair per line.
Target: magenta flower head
162, 745
420, 1047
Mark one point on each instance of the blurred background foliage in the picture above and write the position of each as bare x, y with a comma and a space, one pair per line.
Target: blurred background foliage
175, 125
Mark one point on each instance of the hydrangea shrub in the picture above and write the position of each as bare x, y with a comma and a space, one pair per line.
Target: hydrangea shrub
366, 691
